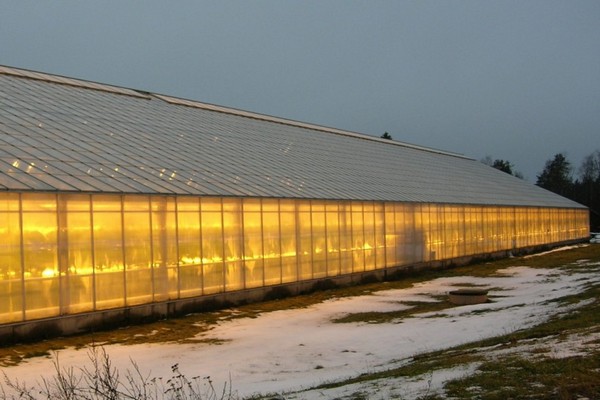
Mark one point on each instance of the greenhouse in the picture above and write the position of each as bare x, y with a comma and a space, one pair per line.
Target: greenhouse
115, 199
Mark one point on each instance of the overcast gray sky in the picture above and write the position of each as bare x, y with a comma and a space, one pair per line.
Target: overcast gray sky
517, 80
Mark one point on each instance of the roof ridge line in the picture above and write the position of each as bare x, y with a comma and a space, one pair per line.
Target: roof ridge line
82, 83
291, 122
74, 82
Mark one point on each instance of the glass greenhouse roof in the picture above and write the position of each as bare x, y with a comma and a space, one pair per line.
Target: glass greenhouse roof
68, 135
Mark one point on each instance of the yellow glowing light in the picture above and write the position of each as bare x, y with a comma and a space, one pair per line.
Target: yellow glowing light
49, 273
81, 270
191, 260
44, 230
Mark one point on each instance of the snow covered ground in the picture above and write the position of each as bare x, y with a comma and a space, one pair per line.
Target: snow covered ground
294, 350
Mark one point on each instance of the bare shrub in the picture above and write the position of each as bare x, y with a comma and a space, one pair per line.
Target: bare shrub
102, 381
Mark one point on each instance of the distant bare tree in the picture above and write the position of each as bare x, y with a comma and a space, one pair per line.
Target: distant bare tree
587, 187
589, 171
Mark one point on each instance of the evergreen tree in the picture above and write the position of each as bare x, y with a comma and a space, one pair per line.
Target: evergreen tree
556, 176
386, 136
503, 166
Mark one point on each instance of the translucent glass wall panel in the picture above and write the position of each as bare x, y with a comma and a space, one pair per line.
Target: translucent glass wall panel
532, 225
289, 241
415, 236
369, 246
253, 243
319, 240
346, 243
566, 223
583, 228
477, 218
190, 251
11, 273
332, 224
474, 234
358, 237
469, 230
557, 220
521, 235
490, 229
304, 240
473, 230
379, 232
540, 228
425, 226
392, 237
78, 292
212, 245
164, 248
557, 224
511, 227
420, 236
272, 242
436, 233
138, 249
442, 237
109, 268
40, 256
547, 227
232, 236
454, 232
498, 229
504, 238
405, 248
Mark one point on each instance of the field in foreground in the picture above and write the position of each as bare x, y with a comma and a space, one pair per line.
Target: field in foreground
537, 337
